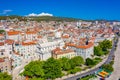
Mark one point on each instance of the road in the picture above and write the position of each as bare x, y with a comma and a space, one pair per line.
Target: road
18, 69
116, 73
110, 57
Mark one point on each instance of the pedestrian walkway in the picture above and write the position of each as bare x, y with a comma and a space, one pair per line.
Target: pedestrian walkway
18, 69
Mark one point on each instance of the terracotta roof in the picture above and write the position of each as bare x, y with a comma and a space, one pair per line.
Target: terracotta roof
9, 41
70, 44
2, 60
59, 51
31, 32
65, 36
39, 36
13, 32
1, 43
1, 35
15, 52
90, 44
28, 43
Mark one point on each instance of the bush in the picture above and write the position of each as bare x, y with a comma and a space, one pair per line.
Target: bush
88, 77
107, 67
65, 65
112, 62
90, 62
2, 31
106, 52
74, 70
97, 60
37, 78
5, 76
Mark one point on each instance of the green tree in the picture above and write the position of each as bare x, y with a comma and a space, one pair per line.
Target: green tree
65, 63
72, 63
52, 69
106, 44
108, 67
78, 60
89, 62
34, 69
37, 78
2, 31
98, 51
5, 76
73, 71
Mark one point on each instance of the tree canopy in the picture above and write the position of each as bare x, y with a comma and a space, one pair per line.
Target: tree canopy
76, 61
108, 67
98, 51
65, 64
89, 62
106, 44
34, 69
5, 76
52, 69
2, 31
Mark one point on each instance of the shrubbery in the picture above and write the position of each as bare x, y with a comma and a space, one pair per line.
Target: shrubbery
52, 68
102, 48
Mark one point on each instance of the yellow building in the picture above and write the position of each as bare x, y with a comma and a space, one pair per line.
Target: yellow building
58, 53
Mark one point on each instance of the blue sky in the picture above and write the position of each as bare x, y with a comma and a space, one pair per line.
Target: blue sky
84, 9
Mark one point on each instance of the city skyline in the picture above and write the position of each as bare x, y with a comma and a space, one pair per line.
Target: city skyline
83, 9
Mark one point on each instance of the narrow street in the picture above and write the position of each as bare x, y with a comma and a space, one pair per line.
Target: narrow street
116, 73
17, 70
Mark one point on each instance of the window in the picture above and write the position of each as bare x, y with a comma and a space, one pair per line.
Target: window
10, 52
2, 53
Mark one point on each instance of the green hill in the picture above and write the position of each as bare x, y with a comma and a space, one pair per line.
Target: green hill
41, 18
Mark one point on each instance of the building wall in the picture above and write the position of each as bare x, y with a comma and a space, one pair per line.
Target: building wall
85, 53
16, 60
14, 37
44, 49
6, 66
67, 55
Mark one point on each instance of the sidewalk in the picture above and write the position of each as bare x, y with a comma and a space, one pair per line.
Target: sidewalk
18, 69
116, 73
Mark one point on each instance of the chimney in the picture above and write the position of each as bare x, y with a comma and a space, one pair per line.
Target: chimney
87, 39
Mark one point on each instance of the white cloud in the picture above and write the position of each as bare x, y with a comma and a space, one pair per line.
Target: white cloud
41, 14
6, 11
32, 14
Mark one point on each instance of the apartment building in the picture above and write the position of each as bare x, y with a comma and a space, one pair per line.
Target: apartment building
60, 53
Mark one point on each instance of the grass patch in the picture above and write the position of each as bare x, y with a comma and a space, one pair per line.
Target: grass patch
88, 77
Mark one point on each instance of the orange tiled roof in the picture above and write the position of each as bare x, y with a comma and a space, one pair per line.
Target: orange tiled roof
65, 36
90, 44
28, 43
31, 32
2, 60
1, 43
70, 44
13, 32
15, 52
1, 35
9, 41
39, 36
58, 51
